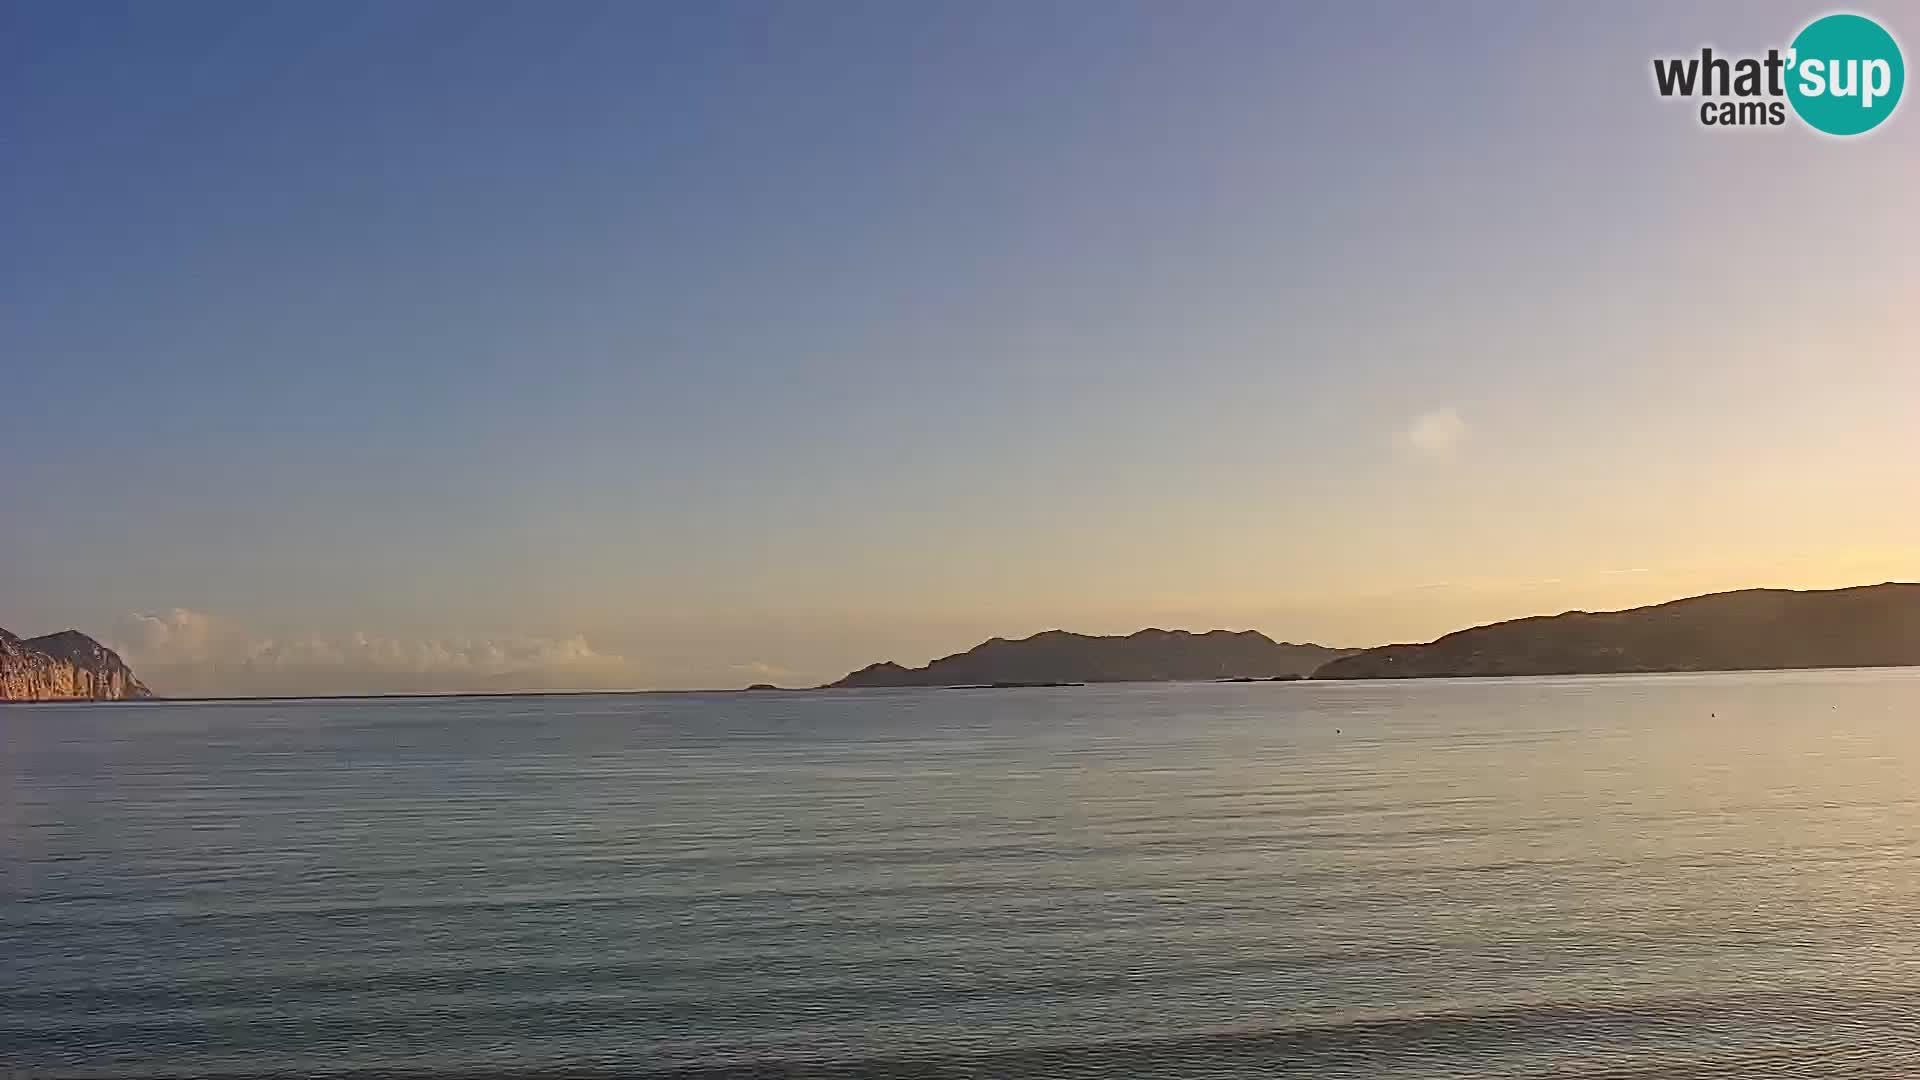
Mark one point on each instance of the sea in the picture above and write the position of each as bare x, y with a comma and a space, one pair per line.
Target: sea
1711, 875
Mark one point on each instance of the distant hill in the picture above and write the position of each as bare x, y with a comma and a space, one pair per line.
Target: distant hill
1057, 656
1754, 629
67, 666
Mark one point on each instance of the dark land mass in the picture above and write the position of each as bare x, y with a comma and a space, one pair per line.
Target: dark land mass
1007, 685
1752, 629
67, 666
1749, 630
1059, 658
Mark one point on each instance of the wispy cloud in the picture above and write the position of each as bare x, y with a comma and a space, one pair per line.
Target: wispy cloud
1434, 434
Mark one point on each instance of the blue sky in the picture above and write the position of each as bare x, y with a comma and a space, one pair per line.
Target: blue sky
733, 338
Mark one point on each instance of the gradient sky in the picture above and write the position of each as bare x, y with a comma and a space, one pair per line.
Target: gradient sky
423, 346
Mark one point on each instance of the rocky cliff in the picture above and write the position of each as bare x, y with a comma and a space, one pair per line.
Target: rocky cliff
1146, 656
1754, 629
67, 666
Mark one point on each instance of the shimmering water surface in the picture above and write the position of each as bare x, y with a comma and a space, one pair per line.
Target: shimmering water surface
1703, 875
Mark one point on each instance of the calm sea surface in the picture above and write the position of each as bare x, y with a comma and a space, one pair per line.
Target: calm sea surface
1711, 875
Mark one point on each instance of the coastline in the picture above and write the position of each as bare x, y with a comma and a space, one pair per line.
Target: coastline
810, 690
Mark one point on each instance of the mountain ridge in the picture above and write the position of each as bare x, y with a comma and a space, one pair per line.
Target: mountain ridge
1740, 630
1060, 656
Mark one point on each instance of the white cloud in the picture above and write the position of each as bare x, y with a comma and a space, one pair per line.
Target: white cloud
190, 653
178, 635
1435, 434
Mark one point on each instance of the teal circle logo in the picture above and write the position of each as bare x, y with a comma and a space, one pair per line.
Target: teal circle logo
1845, 74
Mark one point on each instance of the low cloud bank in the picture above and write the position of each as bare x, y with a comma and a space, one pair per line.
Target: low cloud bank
184, 653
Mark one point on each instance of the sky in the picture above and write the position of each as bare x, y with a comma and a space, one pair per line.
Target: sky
431, 346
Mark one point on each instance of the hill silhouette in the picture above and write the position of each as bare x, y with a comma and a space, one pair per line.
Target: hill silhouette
1752, 629
1057, 656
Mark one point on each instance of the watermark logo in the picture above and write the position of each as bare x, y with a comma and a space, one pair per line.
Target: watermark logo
1850, 74
1842, 75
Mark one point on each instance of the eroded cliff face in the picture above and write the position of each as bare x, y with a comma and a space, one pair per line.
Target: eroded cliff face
68, 666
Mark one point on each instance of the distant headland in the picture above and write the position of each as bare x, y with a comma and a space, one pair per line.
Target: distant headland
1057, 657
67, 666
1748, 630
